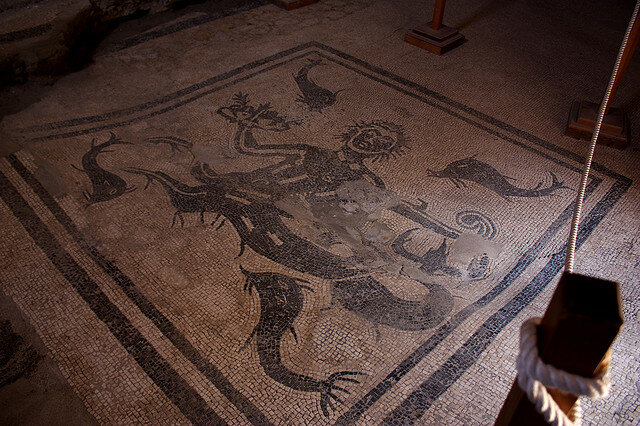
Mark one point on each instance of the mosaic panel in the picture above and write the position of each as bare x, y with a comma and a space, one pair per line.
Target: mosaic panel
307, 238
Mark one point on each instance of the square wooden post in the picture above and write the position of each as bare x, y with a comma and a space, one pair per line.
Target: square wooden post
582, 320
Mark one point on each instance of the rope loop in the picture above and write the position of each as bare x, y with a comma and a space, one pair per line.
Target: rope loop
534, 376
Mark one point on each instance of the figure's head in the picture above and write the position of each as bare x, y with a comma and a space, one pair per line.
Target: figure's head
375, 139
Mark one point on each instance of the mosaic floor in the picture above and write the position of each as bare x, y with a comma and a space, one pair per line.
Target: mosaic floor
306, 237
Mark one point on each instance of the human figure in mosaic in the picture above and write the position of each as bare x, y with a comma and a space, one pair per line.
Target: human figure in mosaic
312, 176
307, 169
249, 201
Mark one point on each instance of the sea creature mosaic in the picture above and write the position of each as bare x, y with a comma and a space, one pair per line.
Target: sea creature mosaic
291, 241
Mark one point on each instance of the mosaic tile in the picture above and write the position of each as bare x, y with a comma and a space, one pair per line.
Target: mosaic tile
253, 255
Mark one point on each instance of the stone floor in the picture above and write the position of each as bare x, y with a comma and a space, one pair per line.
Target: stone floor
297, 218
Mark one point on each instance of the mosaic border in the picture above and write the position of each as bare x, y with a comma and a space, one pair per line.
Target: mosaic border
419, 401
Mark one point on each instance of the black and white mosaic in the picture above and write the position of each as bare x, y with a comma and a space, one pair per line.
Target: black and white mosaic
295, 240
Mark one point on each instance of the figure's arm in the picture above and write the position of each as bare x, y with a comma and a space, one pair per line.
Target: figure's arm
248, 118
373, 178
245, 143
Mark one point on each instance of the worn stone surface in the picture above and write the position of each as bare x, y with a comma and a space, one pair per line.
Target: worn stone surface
113, 9
36, 37
32, 389
53, 37
268, 219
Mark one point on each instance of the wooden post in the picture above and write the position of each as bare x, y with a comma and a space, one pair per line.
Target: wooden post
581, 322
615, 127
435, 37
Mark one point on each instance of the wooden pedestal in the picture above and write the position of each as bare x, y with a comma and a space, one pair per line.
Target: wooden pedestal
436, 41
582, 120
292, 4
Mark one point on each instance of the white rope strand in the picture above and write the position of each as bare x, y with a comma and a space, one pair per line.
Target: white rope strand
534, 376
573, 234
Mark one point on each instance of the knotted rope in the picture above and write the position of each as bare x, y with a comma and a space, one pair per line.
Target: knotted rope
534, 376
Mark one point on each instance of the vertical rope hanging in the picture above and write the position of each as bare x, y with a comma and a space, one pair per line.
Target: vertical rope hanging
577, 211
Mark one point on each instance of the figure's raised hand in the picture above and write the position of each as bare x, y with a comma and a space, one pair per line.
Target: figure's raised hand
270, 120
239, 111
255, 117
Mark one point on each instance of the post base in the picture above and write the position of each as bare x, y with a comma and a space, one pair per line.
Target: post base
292, 4
582, 120
436, 41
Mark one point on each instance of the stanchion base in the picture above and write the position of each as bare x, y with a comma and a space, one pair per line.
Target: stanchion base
292, 4
436, 41
582, 120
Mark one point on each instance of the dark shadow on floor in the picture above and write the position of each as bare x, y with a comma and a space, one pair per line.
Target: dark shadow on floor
33, 391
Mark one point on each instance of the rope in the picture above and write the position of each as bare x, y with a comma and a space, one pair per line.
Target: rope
573, 234
534, 376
